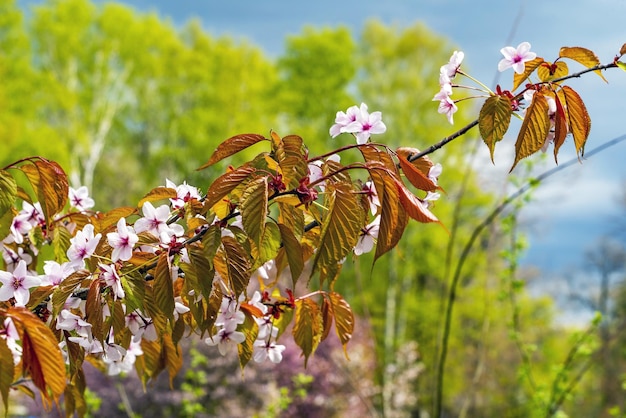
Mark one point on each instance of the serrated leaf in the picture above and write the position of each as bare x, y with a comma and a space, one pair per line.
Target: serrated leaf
344, 319
393, 216
7, 369
341, 226
424, 164
201, 270
578, 118
8, 192
49, 182
134, 285
534, 130
529, 67
493, 120
327, 318
292, 161
61, 243
158, 193
163, 288
293, 249
269, 245
560, 126
253, 208
548, 71
413, 206
225, 184
308, 327
41, 357
172, 358
232, 146
583, 56
250, 330
65, 289
237, 265
94, 309
416, 176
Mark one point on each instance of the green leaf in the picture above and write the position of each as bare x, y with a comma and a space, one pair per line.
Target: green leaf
171, 357
529, 67
163, 288
344, 319
294, 252
340, 228
225, 184
65, 289
308, 327
577, 117
237, 264
60, 243
494, 119
232, 146
291, 154
8, 192
250, 329
534, 130
621, 65
583, 56
253, 208
269, 245
134, 285
201, 270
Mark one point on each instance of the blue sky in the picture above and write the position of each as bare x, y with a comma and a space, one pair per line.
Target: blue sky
573, 208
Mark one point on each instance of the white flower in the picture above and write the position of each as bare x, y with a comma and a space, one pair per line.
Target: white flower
17, 284
368, 236
226, 337
516, 57
122, 241
79, 199
263, 350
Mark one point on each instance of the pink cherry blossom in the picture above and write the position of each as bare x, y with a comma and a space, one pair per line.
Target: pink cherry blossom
55, 273
516, 57
226, 337
372, 197
71, 322
84, 244
448, 107
17, 284
264, 350
365, 124
368, 237
109, 274
122, 241
9, 333
343, 119
155, 220
79, 199
184, 193
452, 67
